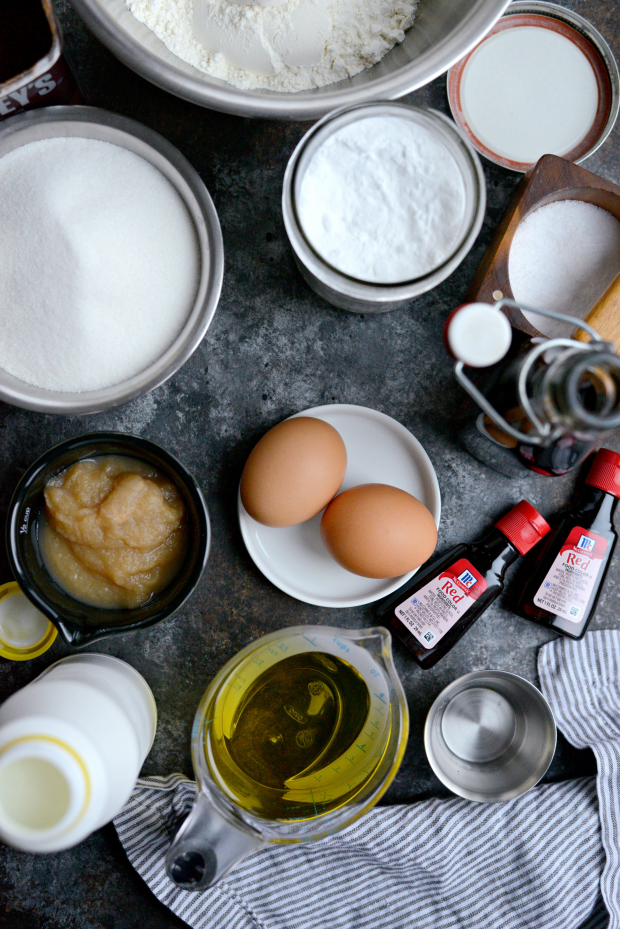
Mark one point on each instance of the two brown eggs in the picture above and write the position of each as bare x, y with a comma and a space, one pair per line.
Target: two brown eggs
297, 469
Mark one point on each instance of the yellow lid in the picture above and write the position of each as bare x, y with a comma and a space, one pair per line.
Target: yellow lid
24, 631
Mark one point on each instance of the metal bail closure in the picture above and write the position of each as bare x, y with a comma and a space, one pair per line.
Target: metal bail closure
541, 433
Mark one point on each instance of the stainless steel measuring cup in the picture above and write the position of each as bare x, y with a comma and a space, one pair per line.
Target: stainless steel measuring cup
490, 736
224, 826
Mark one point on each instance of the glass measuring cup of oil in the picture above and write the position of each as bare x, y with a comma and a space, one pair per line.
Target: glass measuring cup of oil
297, 736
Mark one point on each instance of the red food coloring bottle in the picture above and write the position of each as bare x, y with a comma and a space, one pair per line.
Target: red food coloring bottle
567, 574
447, 595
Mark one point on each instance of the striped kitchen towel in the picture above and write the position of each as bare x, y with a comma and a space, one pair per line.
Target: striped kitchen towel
532, 863
581, 681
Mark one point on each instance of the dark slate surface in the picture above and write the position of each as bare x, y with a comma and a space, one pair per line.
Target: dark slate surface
274, 348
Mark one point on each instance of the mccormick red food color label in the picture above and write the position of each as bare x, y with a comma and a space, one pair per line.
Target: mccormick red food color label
431, 611
569, 583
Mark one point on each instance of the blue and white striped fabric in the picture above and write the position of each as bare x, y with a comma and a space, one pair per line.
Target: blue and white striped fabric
581, 681
533, 863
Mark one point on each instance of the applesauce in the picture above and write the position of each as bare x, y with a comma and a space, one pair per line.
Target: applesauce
113, 533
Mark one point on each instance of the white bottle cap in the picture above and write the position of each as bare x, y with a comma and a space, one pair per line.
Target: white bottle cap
478, 334
24, 631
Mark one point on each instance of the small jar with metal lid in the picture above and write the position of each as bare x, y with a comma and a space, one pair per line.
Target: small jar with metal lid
24, 631
408, 147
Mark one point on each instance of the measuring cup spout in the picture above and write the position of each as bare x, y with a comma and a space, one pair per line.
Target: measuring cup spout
378, 642
207, 847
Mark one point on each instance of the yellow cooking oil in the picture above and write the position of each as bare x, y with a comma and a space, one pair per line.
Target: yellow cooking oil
297, 738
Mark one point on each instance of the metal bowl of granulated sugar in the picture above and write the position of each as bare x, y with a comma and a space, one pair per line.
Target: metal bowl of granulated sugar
443, 32
112, 259
381, 203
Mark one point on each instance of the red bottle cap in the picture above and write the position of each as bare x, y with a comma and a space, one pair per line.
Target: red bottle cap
523, 526
605, 472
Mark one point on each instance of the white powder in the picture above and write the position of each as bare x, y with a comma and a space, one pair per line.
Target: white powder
99, 264
562, 258
383, 200
283, 45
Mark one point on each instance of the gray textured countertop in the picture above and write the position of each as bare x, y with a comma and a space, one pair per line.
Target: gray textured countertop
274, 348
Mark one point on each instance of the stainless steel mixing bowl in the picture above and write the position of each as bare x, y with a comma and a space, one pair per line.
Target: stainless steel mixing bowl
443, 32
90, 123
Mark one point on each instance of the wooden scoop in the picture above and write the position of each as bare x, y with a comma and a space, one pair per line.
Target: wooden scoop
605, 316
553, 178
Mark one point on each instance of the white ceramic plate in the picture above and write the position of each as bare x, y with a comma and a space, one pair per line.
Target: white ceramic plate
380, 451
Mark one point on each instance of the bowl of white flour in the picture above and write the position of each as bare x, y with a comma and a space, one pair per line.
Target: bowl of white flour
381, 202
111, 260
289, 59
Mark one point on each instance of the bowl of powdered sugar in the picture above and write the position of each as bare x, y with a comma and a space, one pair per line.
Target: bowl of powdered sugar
111, 260
381, 202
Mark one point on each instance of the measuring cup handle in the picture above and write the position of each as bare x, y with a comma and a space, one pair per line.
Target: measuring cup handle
207, 847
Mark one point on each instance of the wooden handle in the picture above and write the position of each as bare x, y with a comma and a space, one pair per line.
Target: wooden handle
605, 316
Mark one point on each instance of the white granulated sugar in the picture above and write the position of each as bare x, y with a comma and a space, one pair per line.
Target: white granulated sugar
282, 45
99, 264
562, 258
382, 200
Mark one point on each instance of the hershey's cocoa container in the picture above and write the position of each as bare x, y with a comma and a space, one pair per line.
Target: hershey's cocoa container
33, 70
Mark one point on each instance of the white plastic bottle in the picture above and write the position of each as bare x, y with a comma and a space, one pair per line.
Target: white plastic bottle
71, 747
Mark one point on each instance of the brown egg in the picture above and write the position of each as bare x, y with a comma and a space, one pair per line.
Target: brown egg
293, 472
378, 531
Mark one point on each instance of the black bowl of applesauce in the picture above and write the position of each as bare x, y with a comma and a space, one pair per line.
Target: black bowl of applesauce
107, 533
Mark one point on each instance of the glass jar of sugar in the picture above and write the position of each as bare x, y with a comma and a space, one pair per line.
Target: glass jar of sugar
381, 203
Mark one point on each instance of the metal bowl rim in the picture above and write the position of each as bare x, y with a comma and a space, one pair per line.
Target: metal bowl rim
304, 105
